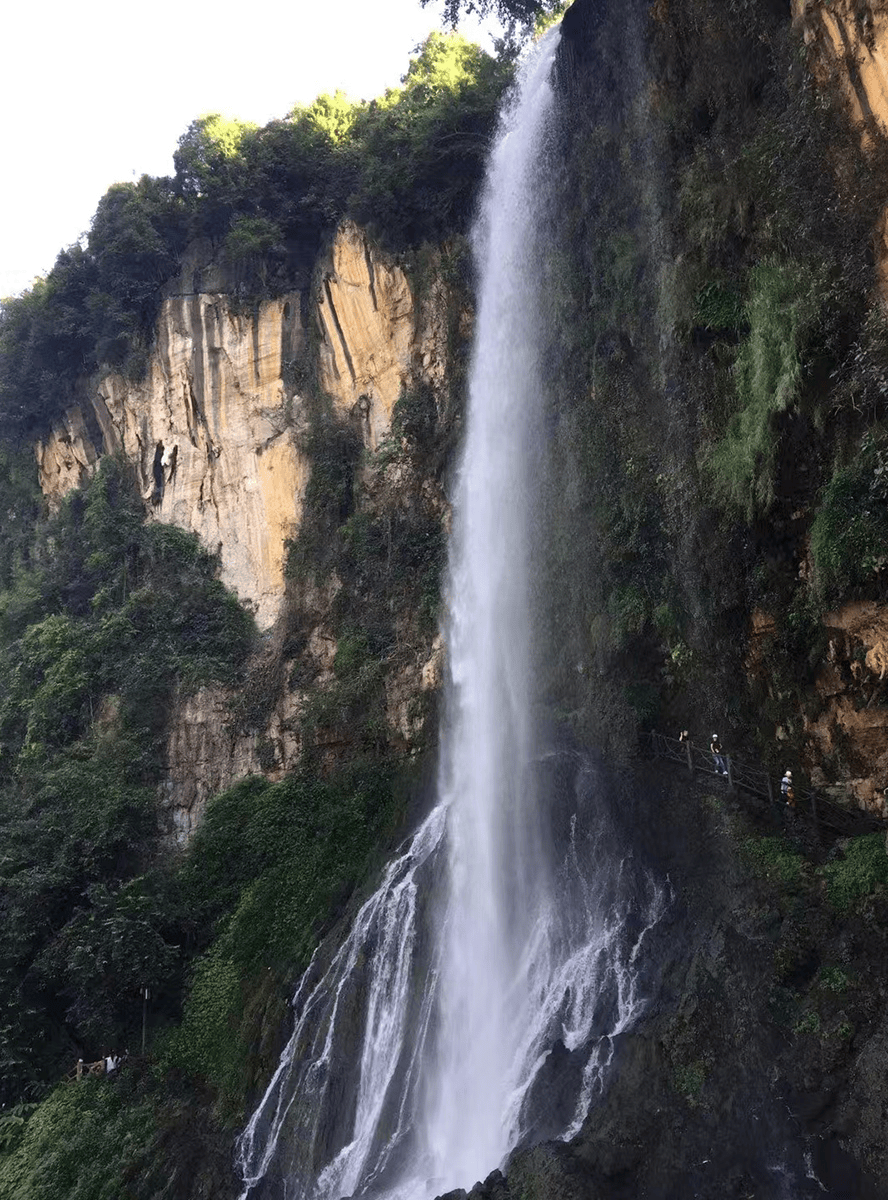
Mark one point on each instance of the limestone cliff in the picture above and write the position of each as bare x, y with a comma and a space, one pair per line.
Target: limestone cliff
850, 38
213, 428
210, 433
374, 337
215, 432
848, 42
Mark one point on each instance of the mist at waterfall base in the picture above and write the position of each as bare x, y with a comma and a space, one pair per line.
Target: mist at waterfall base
473, 1005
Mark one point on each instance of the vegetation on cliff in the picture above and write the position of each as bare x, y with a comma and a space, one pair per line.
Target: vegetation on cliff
719, 368
407, 165
720, 374
105, 618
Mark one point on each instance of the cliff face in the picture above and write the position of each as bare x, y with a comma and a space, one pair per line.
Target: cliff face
213, 429
850, 41
848, 44
216, 433
374, 336
722, 204
210, 434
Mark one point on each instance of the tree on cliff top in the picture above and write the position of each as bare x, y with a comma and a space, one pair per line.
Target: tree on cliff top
510, 12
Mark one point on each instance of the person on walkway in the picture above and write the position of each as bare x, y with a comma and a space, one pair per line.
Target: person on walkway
786, 789
718, 756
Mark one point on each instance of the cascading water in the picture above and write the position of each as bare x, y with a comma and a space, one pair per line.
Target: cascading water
508, 928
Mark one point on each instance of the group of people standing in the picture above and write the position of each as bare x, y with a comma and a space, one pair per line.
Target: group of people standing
719, 760
720, 763
104, 1066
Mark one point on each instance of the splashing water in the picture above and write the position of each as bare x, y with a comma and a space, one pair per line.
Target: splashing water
493, 945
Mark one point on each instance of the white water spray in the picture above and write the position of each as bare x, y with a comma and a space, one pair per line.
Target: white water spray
496, 920
419, 1046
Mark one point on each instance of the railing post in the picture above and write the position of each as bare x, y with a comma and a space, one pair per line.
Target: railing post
770, 791
730, 772
690, 758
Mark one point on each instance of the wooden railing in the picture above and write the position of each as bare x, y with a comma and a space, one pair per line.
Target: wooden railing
754, 780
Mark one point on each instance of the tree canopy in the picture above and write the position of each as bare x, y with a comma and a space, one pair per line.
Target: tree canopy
407, 164
510, 12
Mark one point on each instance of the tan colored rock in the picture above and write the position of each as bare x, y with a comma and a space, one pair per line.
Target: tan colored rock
206, 754
433, 669
851, 728
375, 339
210, 433
848, 41
851, 35
67, 458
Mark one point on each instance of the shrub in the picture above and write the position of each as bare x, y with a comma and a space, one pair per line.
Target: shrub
780, 310
270, 868
862, 869
775, 860
849, 534
719, 309
79, 1143
809, 1023
689, 1080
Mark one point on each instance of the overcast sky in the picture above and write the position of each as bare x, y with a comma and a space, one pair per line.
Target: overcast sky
98, 92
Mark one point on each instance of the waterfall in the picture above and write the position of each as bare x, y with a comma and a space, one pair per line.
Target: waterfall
497, 908
505, 937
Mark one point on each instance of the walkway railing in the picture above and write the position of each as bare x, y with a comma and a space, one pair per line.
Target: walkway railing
744, 777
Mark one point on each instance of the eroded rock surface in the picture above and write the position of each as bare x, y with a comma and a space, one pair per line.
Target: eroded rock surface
210, 433
214, 432
852, 37
376, 338
848, 40
852, 728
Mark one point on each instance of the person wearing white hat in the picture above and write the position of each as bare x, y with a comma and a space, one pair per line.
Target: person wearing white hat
718, 758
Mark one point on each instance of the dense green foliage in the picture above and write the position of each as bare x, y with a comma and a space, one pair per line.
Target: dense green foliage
407, 165
778, 861
48, 1158
781, 306
270, 869
122, 1138
849, 535
857, 873
109, 615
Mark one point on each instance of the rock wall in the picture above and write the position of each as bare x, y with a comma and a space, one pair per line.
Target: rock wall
214, 433
375, 337
210, 433
851, 36
213, 429
850, 734
848, 42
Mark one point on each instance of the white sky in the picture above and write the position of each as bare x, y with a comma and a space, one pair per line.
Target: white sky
98, 92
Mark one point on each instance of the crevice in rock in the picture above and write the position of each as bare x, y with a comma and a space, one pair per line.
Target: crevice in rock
342, 340
257, 344
169, 460
368, 258
157, 473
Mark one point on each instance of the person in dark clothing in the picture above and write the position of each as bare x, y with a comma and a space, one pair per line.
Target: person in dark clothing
718, 757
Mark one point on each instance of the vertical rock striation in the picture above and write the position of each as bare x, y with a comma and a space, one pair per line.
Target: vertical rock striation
214, 432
